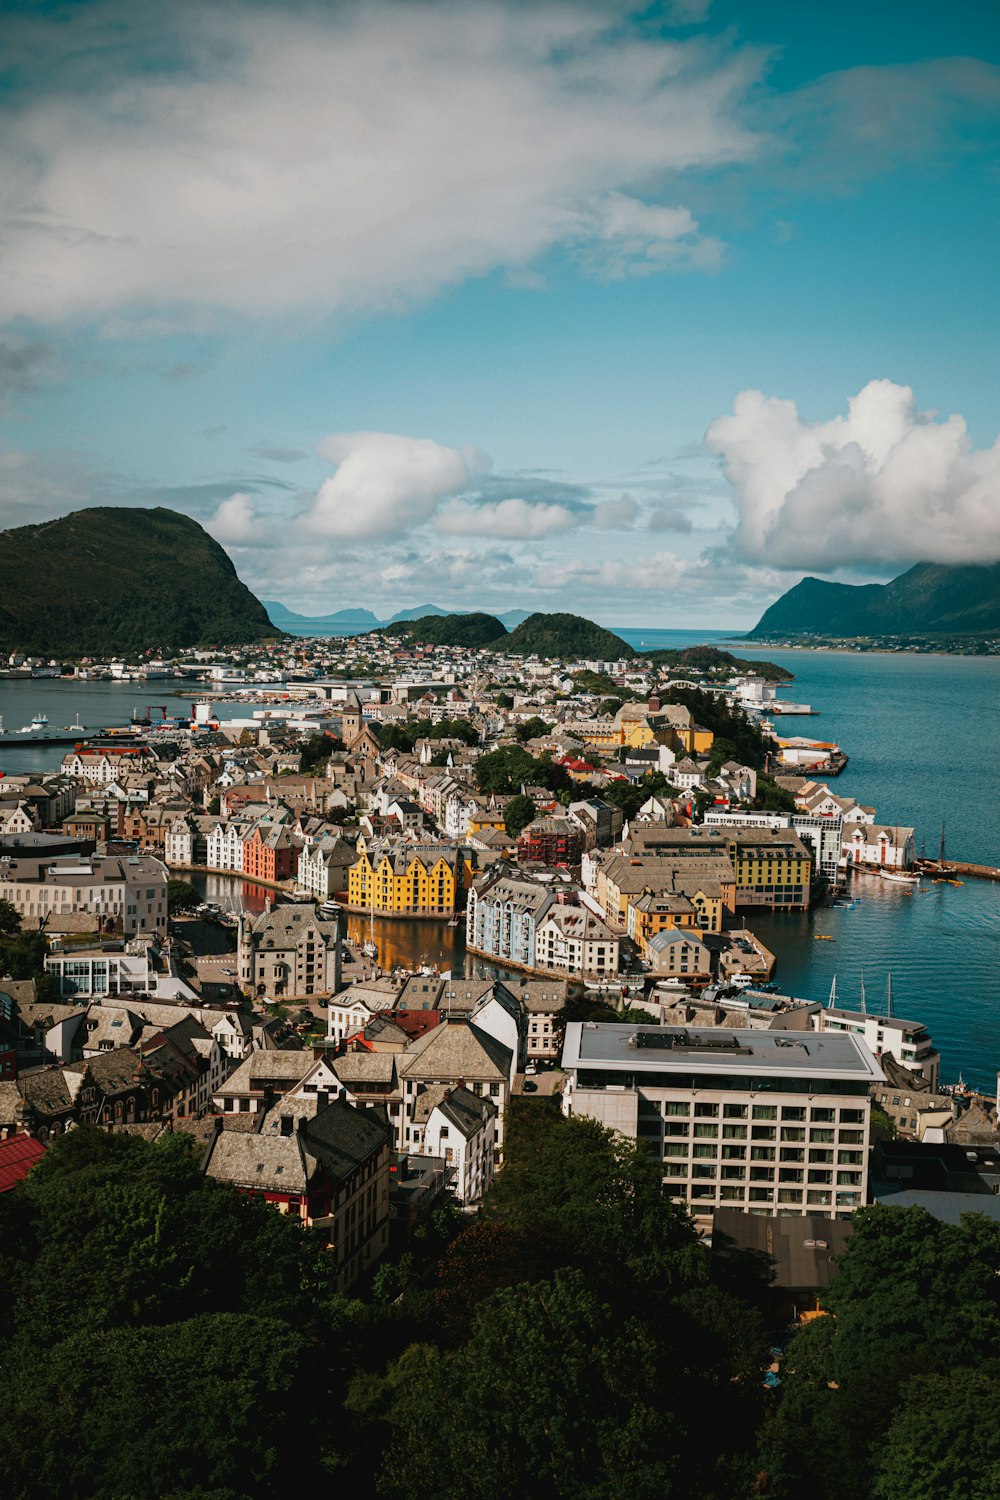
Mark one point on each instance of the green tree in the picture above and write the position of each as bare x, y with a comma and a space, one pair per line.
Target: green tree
181, 896
943, 1442
532, 729
10, 921
505, 770
518, 814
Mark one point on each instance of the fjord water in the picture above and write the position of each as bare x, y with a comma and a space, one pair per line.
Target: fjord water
922, 733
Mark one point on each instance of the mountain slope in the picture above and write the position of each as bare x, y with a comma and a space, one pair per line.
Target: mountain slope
113, 580
930, 598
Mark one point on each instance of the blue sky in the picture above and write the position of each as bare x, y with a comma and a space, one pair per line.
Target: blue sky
642, 313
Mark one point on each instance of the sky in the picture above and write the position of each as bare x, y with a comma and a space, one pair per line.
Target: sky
567, 305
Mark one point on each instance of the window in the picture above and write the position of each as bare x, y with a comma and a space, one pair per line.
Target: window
734, 1111
765, 1112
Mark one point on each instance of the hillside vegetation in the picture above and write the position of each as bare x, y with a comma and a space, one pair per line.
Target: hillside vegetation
118, 580
565, 635
449, 630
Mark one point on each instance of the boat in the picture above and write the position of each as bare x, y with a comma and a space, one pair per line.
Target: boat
369, 947
38, 725
454, 922
77, 728
899, 878
823, 937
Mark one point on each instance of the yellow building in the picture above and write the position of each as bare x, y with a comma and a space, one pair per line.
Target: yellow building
407, 882
773, 869
637, 725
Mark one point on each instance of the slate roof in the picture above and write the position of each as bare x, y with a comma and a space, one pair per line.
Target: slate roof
456, 1049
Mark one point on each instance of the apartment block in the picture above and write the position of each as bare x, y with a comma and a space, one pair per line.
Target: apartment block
769, 1122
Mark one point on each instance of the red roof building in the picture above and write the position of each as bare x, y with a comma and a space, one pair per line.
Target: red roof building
18, 1154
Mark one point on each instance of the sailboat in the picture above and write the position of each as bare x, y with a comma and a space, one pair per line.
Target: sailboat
369, 947
832, 1001
864, 1004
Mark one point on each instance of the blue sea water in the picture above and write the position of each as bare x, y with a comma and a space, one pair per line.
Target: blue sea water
922, 733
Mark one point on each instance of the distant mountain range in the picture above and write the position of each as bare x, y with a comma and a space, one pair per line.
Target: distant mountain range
360, 621
546, 635
119, 580
929, 599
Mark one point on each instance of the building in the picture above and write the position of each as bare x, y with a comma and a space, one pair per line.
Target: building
421, 881
876, 846
323, 868
503, 914
326, 1164
765, 1121
552, 841
269, 853
574, 941
909, 1042
544, 1001
679, 955
460, 1128
288, 952
108, 893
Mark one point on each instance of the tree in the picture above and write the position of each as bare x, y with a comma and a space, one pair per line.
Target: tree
943, 1442
518, 813
10, 921
570, 1411
771, 797
181, 896
532, 729
505, 770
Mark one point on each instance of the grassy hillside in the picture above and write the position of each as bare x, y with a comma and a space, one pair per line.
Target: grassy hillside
115, 580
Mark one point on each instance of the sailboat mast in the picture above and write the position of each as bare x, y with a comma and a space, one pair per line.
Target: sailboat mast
890, 1013
864, 1004
832, 1001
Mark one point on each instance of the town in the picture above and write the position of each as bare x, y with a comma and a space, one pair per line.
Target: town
599, 845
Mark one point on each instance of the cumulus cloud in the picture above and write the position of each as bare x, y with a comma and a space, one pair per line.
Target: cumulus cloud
887, 484
236, 523
510, 519
268, 159
386, 484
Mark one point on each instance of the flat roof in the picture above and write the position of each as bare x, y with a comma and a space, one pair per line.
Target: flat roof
718, 1049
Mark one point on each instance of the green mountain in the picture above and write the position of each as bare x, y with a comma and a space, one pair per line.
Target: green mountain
449, 630
565, 635
699, 659
112, 580
929, 599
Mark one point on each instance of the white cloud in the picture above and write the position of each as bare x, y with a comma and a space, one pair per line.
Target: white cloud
622, 236
236, 523
886, 484
669, 518
271, 160
506, 520
386, 484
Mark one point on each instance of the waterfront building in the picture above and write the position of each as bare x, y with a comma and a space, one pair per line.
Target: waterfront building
765, 1121
288, 953
503, 914
269, 853
323, 867
909, 1042
822, 831
412, 881
572, 940
883, 848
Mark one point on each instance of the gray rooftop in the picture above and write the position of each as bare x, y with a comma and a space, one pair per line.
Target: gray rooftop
679, 1049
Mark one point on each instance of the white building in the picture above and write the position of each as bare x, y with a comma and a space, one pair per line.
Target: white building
771, 1122
886, 848
909, 1042
178, 844
225, 845
573, 940
460, 1127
